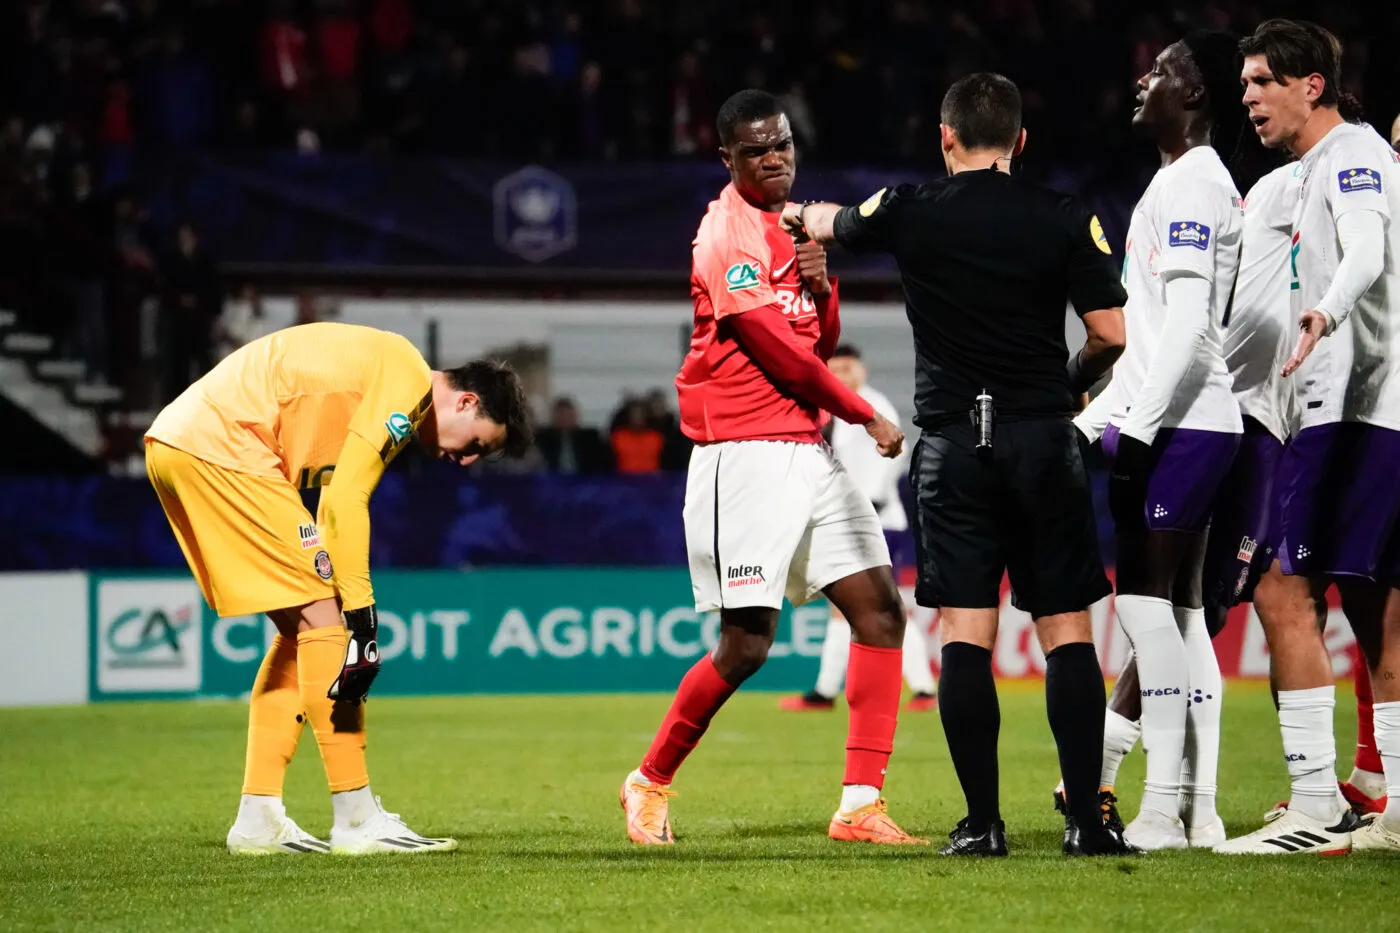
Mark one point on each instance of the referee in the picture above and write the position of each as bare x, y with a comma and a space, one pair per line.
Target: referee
989, 262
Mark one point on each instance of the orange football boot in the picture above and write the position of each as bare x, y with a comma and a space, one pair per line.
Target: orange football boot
648, 812
870, 823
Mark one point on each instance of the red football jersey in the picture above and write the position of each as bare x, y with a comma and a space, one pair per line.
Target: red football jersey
742, 260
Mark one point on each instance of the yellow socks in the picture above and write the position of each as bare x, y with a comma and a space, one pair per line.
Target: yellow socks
339, 727
274, 720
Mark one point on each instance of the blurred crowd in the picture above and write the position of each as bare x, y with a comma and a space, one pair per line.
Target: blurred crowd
603, 79
643, 436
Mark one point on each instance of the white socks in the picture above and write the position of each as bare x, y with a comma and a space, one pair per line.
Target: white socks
1202, 756
836, 654
353, 807
1305, 719
855, 796
257, 812
917, 673
1162, 665
1120, 734
1387, 721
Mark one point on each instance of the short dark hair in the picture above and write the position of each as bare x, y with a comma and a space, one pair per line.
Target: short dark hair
984, 109
1296, 48
502, 399
846, 349
745, 107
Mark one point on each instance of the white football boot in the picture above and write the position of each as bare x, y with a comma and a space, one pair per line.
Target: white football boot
1375, 837
264, 828
1207, 836
1293, 833
1152, 831
381, 831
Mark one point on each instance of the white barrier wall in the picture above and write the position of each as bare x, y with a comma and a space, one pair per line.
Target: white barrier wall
44, 633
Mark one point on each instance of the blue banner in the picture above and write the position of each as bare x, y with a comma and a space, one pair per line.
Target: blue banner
430, 516
599, 220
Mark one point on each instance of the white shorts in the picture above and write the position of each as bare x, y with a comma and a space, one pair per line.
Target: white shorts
765, 519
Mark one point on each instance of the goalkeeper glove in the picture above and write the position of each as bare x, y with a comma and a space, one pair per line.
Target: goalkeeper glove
361, 656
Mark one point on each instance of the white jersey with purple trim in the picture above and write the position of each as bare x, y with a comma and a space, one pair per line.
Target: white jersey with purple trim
1353, 375
1189, 220
1260, 335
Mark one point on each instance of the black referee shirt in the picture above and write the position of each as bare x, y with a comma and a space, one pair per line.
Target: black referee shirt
988, 262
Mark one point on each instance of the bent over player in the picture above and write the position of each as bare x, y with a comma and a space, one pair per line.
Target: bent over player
768, 509
226, 459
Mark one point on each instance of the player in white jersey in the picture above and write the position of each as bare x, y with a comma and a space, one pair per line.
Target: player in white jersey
1174, 427
1257, 342
1338, 487
880, 479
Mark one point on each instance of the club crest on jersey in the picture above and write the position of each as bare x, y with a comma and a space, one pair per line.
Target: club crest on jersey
398, 426
741, 277
1359, 179
310, 537
1096, 232
1189, 233
323, 565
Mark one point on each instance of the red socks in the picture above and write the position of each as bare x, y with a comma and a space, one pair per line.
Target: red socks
1368, 757
701, 693
873, 682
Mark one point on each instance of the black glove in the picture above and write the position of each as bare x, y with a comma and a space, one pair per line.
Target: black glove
1127, 483
361, 656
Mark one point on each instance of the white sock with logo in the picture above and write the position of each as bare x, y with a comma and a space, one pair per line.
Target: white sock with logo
1202, 759
836, 654
353, 807
855, 796
1120, 734
1163, 675
917, 673
1387, 722
1309, 746
258, 813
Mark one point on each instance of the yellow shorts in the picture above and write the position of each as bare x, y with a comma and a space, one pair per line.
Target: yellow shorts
249, 540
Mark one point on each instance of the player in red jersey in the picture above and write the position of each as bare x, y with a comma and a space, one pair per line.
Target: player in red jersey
768, 510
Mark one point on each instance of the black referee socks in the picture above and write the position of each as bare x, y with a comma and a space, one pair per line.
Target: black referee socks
1074, 700
967, 703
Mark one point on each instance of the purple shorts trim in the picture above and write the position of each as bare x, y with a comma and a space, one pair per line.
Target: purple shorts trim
1337, 502
1239, 547
1188, 467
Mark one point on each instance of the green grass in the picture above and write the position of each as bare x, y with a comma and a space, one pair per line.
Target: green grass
113, 818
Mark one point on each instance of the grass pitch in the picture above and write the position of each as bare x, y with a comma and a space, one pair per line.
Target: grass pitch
113, 818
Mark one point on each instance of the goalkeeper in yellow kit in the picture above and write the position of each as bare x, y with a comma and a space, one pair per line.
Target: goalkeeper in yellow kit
320, 405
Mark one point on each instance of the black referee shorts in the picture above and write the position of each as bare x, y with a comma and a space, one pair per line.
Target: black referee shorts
1026, 510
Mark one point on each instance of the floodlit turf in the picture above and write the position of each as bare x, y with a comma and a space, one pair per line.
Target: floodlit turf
113, 817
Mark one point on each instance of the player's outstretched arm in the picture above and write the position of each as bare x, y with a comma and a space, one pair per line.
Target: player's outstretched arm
1362, 237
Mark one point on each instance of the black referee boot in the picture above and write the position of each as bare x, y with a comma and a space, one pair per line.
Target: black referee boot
991, 842
1102, 839
1107, 803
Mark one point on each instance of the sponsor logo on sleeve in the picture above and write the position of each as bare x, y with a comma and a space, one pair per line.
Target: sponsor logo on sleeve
399, 426
1359, 179
1189, 233
310, 537
1096, 232
741, 277
1247, 548
868, 206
